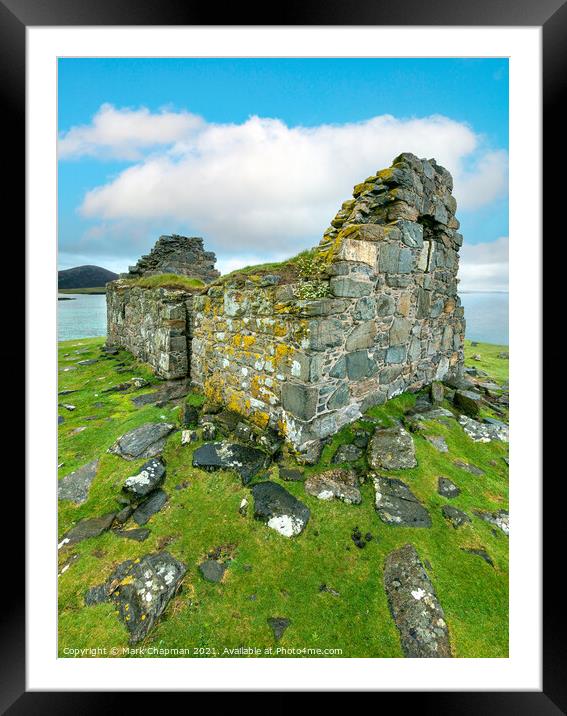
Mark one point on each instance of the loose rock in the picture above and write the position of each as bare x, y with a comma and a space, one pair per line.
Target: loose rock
438, 442
279, 509
397, 505
212, 571
278, 626
454, 516
153, 504
347, 453
391, 449
473, 469
85, 529
141, 590
291, 475
414, 606
139, 535
468, 401
339, 483
189, 436
446, 488
75, 486
499, 519
147, 479
484, 432
246, 461
146, 441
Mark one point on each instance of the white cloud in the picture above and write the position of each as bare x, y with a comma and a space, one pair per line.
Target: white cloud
484, 266
260, 187
124, 133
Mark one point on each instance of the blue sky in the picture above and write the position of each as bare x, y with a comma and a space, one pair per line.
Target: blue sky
256, 155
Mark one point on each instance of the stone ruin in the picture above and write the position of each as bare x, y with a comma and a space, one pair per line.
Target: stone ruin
181, 255
306, 351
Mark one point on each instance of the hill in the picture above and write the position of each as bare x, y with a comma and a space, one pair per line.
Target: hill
85, 277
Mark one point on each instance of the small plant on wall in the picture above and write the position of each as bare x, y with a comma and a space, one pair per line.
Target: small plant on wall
313, 268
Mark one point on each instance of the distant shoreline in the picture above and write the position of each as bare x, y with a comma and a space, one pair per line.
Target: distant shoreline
95, 291
483, 291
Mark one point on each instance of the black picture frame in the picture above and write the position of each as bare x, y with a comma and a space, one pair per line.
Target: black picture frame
551, 15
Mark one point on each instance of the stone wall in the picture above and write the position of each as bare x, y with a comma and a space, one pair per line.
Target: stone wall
181, 255
388, 318
373, 311
154, 324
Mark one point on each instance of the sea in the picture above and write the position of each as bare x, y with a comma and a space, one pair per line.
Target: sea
486, 315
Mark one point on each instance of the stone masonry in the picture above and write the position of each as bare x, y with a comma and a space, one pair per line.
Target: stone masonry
181, 255
153, 324
387, 317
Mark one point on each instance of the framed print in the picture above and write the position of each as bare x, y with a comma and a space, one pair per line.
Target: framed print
298, 296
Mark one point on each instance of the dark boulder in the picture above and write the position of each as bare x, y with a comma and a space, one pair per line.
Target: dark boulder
146, 480
243, 459
397, 505
279, 509
140, 590
149, 507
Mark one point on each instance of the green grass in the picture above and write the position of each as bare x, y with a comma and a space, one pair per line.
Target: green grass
285, 574
496, 367
286, 269
166, 280
95, 290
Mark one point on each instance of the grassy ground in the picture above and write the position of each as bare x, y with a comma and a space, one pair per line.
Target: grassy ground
166, 280
271, 575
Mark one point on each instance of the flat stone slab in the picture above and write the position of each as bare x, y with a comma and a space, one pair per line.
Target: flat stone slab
279, 509
131, 384
499, 519
138, 535
149, 507
484, 432
468, 467
85, 529
148, 478
212, 571
168, 391
419, 617
397, 505
446, 488
290, 474
141, 590
347, 453
146, 441
391, 449
338, 483
246, 461
456, 517
75, 486
438, 442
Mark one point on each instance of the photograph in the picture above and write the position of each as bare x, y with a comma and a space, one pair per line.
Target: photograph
283, 357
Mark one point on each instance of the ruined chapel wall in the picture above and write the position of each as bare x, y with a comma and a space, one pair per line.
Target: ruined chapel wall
154, 324
391, 321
